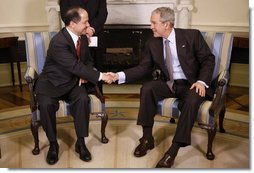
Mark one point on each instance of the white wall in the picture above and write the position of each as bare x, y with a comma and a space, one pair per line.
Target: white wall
22, 15
225, 15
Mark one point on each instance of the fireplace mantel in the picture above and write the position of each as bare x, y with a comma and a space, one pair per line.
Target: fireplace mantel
129, 12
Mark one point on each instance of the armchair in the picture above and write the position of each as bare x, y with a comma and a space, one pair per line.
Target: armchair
209, 112
36, 47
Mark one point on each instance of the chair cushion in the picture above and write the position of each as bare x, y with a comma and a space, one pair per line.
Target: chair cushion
95, 106
169, 108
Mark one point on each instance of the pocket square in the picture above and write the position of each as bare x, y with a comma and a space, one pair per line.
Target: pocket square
183, 45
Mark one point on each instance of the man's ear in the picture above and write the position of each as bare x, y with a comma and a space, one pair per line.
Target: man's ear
168, 24
72, 24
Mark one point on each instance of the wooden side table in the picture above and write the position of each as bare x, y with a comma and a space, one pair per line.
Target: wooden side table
9, 46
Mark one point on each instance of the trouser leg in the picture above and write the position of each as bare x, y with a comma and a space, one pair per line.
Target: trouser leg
189, 106
48, 107
79, 108
151, 92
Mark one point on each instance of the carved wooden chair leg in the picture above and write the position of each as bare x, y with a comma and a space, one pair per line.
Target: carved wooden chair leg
221, 119
34, 128
0, 153
172, 121
211, 135
104, 121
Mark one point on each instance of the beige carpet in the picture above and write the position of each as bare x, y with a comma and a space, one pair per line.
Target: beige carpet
230, 151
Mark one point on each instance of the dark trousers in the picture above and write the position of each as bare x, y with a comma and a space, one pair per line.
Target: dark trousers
154, 91
79, 109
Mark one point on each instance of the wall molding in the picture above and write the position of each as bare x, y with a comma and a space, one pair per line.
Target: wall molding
230, 27
20, 30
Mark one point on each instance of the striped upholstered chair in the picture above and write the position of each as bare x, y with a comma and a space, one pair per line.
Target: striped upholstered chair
36, 47
209, 111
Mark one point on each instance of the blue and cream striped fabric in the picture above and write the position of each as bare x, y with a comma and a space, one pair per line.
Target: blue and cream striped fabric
36, 49
221, 46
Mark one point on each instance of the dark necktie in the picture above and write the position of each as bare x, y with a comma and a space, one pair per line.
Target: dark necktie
169, 65
78, 47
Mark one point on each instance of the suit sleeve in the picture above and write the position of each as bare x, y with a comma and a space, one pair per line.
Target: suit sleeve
63, 7
100, 18
61, 53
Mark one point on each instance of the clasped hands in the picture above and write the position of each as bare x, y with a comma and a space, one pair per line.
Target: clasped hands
110, 77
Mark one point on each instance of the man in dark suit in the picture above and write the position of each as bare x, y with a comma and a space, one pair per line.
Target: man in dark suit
67, 75
191, 69
97, 13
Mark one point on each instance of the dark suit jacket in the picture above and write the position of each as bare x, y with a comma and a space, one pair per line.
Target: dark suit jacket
97, 11
194, 55
62, 70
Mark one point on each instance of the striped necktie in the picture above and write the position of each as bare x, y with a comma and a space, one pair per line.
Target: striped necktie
169, 65
78, 47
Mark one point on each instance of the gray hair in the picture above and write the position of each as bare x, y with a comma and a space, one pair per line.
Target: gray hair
166, 14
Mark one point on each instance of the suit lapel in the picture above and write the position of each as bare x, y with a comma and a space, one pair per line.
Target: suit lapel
160, 56
70, 41
181, 45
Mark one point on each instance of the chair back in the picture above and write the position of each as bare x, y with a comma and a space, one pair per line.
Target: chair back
220, 44
36, 48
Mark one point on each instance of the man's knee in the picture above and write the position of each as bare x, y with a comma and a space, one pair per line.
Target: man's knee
193, 98
146, 88
84, 98
48, 106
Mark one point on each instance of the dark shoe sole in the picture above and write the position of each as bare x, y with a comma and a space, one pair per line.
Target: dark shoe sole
52, 163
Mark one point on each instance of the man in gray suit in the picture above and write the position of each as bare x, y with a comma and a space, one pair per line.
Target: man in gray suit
187, 77
68, 74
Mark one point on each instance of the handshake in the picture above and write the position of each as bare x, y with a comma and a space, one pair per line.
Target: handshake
109, 77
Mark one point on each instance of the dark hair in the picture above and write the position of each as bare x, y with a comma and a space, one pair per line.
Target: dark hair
72, 14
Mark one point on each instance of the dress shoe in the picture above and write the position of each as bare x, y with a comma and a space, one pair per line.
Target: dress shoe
84, 154
52, 156
166, 162
143, 147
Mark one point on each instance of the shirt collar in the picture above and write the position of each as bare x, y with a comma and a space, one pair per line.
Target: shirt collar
172, 37
73, 36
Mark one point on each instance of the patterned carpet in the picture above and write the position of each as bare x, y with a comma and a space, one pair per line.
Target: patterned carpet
121, 108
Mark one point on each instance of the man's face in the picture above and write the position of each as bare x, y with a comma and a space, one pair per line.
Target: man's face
80, 27
159, 29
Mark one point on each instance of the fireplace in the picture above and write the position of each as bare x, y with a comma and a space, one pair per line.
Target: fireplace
124, 45
127, 27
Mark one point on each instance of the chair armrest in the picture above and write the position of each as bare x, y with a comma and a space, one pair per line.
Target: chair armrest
98, 94
30, 76
219, 99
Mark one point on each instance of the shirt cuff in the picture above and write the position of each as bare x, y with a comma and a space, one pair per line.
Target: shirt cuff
122, 77
200, 81
100, 76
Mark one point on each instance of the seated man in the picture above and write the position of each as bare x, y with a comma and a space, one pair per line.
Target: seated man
186, 67
67, 75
